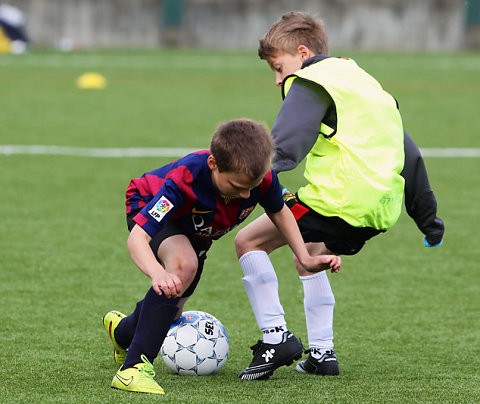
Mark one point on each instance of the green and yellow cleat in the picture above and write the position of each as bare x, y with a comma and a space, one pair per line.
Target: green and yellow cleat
138, 379
110, 322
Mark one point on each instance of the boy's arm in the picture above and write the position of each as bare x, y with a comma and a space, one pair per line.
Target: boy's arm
142, 255
287, 225
297, 124
420, 201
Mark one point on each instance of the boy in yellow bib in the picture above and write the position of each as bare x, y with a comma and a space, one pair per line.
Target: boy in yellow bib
359, 162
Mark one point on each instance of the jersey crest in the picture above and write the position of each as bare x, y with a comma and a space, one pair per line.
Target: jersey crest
246, 212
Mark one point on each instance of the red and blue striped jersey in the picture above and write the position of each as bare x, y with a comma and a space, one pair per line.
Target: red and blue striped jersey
183, 191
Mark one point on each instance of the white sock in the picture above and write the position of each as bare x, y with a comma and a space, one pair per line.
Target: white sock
318, 352
261, 285
319, 303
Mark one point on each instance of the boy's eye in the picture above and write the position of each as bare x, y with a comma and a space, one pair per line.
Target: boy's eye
277, 69
239, 189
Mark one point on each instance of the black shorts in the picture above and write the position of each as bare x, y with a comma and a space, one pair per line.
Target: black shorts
200, 246
338, 236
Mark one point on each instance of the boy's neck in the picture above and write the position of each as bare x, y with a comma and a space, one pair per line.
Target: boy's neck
228, 199
314, 59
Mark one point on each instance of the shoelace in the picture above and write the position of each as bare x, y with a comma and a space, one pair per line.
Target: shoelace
256, 346
146, 371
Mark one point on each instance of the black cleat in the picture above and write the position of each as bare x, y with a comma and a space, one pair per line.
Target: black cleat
268, 357
327, 365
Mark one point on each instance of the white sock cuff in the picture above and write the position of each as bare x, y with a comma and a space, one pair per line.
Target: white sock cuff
313, 276
255, 262
316, 285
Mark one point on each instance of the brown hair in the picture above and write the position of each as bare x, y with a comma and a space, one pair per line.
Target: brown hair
242, 146
292, 30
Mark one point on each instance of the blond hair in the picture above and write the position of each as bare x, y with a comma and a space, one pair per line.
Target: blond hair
292, 30
242, 146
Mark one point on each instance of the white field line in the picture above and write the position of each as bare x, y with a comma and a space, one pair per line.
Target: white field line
450, 152
178, 151
95, 152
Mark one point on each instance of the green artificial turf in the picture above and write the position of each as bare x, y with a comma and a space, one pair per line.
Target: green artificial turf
406, 317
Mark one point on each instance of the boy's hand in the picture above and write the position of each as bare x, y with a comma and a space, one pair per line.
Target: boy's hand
430, 243
323, 262
167, 284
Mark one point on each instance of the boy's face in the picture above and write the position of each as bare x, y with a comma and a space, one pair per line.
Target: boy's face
231, 184
284, 64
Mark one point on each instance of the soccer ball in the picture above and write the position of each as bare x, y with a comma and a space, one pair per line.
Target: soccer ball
196, 345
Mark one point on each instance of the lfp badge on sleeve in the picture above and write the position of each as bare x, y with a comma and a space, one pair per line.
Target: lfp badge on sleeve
161, 208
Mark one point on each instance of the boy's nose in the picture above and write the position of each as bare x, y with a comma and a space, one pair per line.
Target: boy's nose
278, 79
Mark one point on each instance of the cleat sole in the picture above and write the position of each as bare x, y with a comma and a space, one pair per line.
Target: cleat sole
287, 362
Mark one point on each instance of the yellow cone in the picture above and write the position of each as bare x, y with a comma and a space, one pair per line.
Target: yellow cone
4, 42
91, 80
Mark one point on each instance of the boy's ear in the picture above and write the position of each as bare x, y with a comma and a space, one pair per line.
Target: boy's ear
212, 164
304, 52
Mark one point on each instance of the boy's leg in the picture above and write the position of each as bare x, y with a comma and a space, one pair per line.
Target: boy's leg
125, 329
157, 312
175, 250
253, 243
261, 284
153, 317
156, 315
319, 303
279, 347
323, 235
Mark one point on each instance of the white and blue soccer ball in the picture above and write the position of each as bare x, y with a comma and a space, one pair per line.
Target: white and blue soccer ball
197, 344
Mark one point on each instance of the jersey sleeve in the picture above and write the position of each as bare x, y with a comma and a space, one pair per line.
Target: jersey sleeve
158, 211
420, 202
297, 124
271, 193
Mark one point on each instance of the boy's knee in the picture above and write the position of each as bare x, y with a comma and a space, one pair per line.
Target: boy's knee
185, 268
241, 243
188, 268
